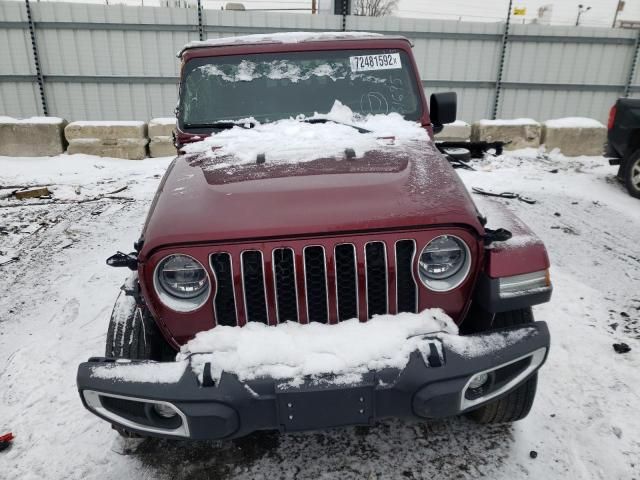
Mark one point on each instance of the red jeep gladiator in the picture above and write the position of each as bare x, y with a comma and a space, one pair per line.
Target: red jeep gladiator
301, 270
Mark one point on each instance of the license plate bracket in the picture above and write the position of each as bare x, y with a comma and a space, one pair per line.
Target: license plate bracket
324, 407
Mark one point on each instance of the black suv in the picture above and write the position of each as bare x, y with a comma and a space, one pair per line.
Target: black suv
624, 142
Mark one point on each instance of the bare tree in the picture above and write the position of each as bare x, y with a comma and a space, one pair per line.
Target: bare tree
374, 8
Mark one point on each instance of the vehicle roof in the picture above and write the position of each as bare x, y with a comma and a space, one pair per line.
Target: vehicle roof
287, 37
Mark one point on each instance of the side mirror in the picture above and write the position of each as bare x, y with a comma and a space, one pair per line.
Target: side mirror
442, 109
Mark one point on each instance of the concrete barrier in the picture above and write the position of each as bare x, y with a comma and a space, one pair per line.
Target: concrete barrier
521, 133
574, 136
32, 137
108, 139
161, 137
162, 147
457, 131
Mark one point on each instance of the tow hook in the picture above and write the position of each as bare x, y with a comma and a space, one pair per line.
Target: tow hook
124, 260
498, 235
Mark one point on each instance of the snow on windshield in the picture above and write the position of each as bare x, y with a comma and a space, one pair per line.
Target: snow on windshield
294, 141
247, 70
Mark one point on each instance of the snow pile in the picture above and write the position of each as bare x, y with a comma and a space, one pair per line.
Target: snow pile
32, 120
148, 372
574, 122
293, 140
281, 37
293, 351
475, 346
457, 123
163, 121
108, 123
502, 122
80, 177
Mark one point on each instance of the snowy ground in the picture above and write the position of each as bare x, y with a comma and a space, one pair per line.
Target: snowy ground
57, 296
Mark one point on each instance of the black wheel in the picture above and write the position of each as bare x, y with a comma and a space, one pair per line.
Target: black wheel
631, 174
517, 404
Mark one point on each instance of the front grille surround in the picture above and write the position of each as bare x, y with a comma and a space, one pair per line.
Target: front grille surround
396, 282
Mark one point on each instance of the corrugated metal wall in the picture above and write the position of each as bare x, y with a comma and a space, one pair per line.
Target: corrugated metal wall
116, 62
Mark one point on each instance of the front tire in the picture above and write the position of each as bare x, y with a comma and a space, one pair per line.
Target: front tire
631, 174
517, 404
134, 335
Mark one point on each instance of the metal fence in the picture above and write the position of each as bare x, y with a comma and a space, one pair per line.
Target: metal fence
117, 62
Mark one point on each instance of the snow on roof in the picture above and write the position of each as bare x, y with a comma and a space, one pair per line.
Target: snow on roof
293, 351
281, 37
574, 122
32, 120
294, 141
501, 122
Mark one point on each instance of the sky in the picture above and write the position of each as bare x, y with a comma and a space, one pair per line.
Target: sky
563, 12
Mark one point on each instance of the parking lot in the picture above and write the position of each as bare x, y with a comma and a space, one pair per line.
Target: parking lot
59, 294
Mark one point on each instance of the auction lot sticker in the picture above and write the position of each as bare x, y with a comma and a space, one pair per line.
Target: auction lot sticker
382, 61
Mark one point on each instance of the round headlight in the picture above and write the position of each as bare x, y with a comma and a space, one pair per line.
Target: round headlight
182, 276
182, 283
444, 263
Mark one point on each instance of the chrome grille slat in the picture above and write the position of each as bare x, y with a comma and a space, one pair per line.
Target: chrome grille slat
406, 287
346, 268
284, 279
224, 303
376, 275
254, 289
315, 278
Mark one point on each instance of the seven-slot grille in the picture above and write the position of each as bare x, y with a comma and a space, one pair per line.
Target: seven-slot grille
272, 286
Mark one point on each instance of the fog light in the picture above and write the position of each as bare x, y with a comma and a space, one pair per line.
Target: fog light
478, 380
165, 411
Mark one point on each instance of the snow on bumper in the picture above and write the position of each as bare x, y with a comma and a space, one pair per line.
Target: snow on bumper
172, 400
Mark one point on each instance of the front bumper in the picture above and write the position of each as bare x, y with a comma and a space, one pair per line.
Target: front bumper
432, 385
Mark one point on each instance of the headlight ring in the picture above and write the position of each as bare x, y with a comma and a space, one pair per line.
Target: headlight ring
181, 282
444, 263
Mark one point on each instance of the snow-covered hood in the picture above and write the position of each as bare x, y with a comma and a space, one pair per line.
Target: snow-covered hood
293, 178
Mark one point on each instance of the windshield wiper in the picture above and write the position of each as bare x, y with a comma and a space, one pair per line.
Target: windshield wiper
221, 125
325, 120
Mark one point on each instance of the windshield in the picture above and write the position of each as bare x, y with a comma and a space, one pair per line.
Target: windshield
271, 87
